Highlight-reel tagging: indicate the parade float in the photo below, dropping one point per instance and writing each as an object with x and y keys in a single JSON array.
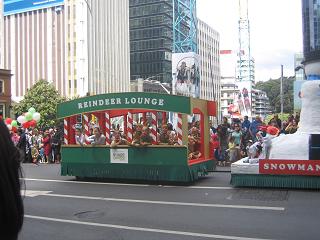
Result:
[
  {"x": 153, "y": 162},
  {"x": 294, "y": 159}
]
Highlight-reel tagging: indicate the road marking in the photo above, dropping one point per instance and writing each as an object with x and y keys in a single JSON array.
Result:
[
  {"x": 141, "y": 229},
  {"x": 167, "y": 202},
  {"x": 31, "y": 193},
  {"x": 123, "y": 184}
]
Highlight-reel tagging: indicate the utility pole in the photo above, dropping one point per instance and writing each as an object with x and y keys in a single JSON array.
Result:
[{"x": 281, "y": 90}]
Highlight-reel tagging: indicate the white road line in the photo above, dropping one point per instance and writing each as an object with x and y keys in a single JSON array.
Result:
[
  {"x": 167, "y": 202},
  {"x": 123, "y": 184},
  {"x": 141, "y": 229}
]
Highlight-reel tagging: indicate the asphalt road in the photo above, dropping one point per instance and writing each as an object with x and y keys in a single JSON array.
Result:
[{"x": 61, "y": 208}]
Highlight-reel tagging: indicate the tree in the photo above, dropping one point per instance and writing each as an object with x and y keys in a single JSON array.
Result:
[
  {"x": 272, "y": 88},
  {"x": 44, "y": 98}
]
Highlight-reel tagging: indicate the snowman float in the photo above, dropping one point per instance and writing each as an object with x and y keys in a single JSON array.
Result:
[{"x": 293, "y": 160}]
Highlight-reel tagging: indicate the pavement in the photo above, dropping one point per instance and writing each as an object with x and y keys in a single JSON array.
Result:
[{"x": 59, "y": 207}]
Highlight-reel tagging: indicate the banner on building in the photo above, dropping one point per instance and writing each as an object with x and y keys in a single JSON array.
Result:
[
  {"x": 21, "y": 6},
  {"x": 186, "y": 74},
  {"x": 243, "y": 99}
]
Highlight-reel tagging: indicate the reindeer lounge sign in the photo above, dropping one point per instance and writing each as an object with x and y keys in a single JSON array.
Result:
[{"x": 289, "y": 167}]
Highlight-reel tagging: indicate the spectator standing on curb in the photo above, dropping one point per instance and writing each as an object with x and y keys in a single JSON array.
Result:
[
  {"x": 11, "y": 205},
  {"x": 46, "y": 141}
]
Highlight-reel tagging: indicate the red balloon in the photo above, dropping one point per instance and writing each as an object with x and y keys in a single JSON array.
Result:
[
  {"x": 8, "y": 121},
  {"x": 26, "y": 125},
  {"x": 33, "y": 123}
]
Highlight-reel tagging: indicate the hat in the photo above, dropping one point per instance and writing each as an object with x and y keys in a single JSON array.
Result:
[{"x": 250, "y": 141}]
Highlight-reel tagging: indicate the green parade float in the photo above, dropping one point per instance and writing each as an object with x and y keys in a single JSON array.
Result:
[{"x": 154, "y": 162}]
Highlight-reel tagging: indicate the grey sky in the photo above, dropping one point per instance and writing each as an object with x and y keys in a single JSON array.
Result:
[{"x": 276, "y": 31}]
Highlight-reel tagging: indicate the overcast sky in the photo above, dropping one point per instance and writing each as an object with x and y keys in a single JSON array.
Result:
[{"x": 276, "y": 31}]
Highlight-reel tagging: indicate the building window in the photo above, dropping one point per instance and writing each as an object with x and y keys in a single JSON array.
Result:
[
  {"x": 2, "y": 113},
  {"x": 1, "y": 86}
]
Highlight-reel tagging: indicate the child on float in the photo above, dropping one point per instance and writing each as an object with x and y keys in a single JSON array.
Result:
[
  {"x": 193, "y": 153},
  {"x": 145, "y": 138},
  {"x": 118, "y": 139},
  {"x": 137, "y": 135},
  {"x": 79, "y": 137},
  {"x": 164, "y": 138}
]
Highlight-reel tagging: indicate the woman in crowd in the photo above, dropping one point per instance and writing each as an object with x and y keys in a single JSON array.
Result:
[{"x": 11, "y": 205}]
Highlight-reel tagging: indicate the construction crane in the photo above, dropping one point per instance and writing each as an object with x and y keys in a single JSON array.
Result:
[{"x": 245, "y": 61}]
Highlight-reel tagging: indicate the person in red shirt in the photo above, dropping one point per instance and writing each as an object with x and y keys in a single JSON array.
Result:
[{"x": 46, "y": 141}]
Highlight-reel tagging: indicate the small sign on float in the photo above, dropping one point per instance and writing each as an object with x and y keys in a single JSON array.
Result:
[{"x": 118, "y": 155}]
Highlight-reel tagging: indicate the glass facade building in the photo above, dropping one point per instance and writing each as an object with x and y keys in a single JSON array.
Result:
[
  {"x": 311, "y": 29},
  {"x": 151, "y": 39}
]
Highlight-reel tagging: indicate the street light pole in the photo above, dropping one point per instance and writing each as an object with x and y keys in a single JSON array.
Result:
[{"x": 281, "y": 90}]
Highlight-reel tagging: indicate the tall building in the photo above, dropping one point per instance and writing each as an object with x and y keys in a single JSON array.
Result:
[
  {"x": 209, "y": 52},
  {"x": 262, "y": 104},
  {"x": 79, "y": 46},
  {"x": 108, "y": 45},
  {"x": 229, "y": 92},
  {"x": 1, "y": 36},
  {"x": 311, "y": 38},
  {"x": 151, "y": 39}
]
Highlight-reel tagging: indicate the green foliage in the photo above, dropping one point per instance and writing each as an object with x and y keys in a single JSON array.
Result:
[
  {"x": 44, "y": 98},
  {"x": 282, "y": 117},
  {"x": 272, "y": 88}
]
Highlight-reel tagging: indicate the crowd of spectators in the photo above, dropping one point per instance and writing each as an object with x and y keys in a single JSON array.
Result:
[
  {"x": 38, "y": 146},
  {"x": 231, "y": 141}
]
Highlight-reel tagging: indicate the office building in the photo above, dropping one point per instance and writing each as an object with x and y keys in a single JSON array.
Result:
[
  {"x": 209, "y": 52},
  {"x": 151, "y": 39},
  {"x": 79, "y": 46},
  {"x": 311, "y": 38}
]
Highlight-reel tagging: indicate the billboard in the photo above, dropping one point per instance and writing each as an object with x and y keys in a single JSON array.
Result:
[
  {"x": 186, "y": 74},
  {"x": 20, "y": 6},
  {"x": 296, "y": 97},
  {"x": 243, "y": 98}
]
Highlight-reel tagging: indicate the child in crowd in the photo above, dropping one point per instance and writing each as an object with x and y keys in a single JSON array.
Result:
[{"x": 232, "y": 150}]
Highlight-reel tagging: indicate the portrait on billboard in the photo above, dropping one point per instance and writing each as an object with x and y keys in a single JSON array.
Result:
[
  {"x": 243, "y": 98},
  {"x": 186, "y": 74}
]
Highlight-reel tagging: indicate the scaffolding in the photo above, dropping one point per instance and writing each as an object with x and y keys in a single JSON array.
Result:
[
  {"x": 184, "y": 26},
  {"x": 245, "y": 61}
]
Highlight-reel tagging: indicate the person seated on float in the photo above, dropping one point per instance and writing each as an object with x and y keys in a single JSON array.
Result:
[
  {"x": 192, "y": 152},
  {"x": 79, "y": 136},
  {"x": 117, "y": 139},
  {"x": 97, "y": 138},
  {"x": 137, "y": 135},
  {"x": 145, "y": 138},
  {"x": 164, "y": 138}
]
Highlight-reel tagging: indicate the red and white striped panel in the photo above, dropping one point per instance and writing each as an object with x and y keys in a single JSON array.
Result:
[
  {"x": 129, "y": 127},
  {"x": 65, "y": 131},
  {"x": 154, "y": 127},
  {"x": 179, "y": 129},
  {"x": 86, "y": 123},
  {"x": 107, "y": 125}
]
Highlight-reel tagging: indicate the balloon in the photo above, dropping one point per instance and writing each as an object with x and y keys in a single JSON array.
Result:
[
  {"x": 9, "y": 127},
  {"x": 32, "y": 110},
  {"x": 14, "y": 123},
  {"x": 26, "y": 125},
  {"x": 33, "y": 123},
  {"x": 28, "y": 116},
  {"x": 21, "y": 119},
  {"x": 36, "y": 116},
  {"x": 8, "y": 121}
]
